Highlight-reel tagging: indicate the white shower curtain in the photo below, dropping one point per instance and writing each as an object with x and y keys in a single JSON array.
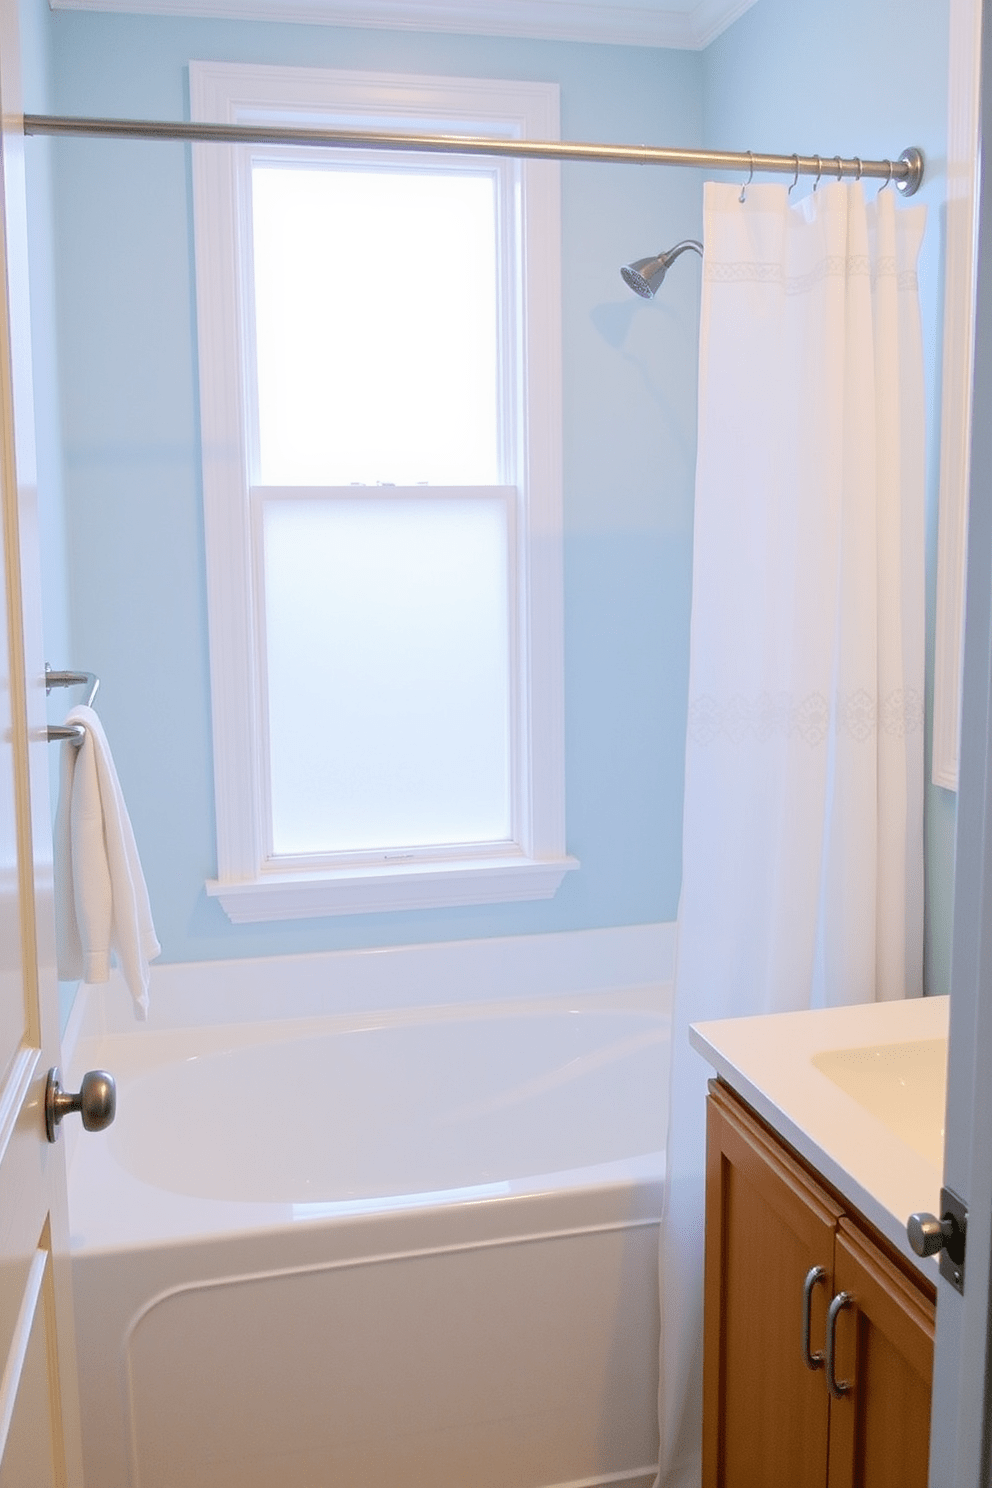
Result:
[{"x": 802, "y": 876}]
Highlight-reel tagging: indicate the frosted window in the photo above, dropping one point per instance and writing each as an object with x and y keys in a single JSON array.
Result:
[
  {"x": 387, "y": 623},
  {"x": 376, "y": 326}
]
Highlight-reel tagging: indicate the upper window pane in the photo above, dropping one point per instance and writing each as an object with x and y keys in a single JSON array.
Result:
[{"x": 376, "y": 316}]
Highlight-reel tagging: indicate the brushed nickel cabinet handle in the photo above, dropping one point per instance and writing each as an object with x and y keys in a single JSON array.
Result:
[
  {"x": 814, "y": 1275},
  {"x": 838, "y": 1388}
]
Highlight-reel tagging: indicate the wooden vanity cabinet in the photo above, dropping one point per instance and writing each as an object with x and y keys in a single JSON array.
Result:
[{"x": 769, "y": 1420}]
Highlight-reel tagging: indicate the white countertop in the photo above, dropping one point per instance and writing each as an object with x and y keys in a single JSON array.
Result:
[{"x": 769, "y": 1061}]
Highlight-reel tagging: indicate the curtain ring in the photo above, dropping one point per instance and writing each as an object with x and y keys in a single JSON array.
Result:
[
  {"x": 857, "y": 161},
  {"x": 750, "y": 177},
  {"x": 795, "y": 178},
  {"x": 819, "y": 171},
  {"x": 840, "y": 168},
  {"x": 888, "y": 177}
]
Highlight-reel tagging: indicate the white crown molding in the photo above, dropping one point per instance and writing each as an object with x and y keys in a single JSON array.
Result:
[
  {"x": 689, "y": 26},
  {"x": 708, "y": 18}
]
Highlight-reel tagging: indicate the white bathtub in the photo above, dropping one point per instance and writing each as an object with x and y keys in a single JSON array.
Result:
[{"x": 417, "y": 1247}]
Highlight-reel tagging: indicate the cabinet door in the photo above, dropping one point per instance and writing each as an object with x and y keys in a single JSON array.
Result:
[
  {"x": 880, "y": 1429},
  {"x": 765, "y": 1414}
]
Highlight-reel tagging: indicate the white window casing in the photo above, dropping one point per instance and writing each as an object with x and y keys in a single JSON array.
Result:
[{"x": 254, "y": 882}]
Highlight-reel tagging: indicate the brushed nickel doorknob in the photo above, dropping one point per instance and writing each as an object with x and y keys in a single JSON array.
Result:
[
  {"x": 96, "y": 1101},
  {"x": 927, "y": 1234},
  {"x": 946, "y": 1236}
]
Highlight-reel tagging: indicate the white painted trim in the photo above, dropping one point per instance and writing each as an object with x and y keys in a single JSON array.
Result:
[
  {"x": 955, "y": 435},
  {"x": 249, "y": 884},
  {"x": 689, "y": 28},
  {"x": 296, "y": 896},
  {"x": 16, "y": 1085},
  {"x": 20, "y": 1338},
  {"x": 959, "y": 1418},
  {"x": 709, "y": 18}
]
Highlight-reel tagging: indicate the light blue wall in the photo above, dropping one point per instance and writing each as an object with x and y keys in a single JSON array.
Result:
[
  {"x": 132, "y": 483},
  {"x": 806, "y": 75},
  {"x": 864, "y": 79}
]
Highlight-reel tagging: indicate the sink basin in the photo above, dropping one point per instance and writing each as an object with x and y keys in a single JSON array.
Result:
[
  {"x": 903, "y": 1085},
  {"x": 857, "y": 1091}
]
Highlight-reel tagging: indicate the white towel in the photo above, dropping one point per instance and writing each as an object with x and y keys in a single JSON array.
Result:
[{"x": 101, "y": 902}]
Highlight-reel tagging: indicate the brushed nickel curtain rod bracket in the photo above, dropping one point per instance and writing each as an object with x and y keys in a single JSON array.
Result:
[{"x": 906, "y": 172}]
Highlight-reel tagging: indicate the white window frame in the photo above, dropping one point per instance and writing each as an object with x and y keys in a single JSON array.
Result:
[{"x": 251, "y": 884}]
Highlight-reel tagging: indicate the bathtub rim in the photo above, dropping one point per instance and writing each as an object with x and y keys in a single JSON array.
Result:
[{"x": 112, "y": 1210}]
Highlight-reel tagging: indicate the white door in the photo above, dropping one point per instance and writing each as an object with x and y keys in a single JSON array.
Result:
[
  {"x": 39, "y": 1411},
  {"x": 961, "y": 1422}
]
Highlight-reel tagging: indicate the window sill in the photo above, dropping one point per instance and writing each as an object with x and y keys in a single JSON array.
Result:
[{"x": 297, "y": 896}]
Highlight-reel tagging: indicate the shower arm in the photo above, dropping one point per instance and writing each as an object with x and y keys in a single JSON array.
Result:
[{"x": 680, "y": 248}]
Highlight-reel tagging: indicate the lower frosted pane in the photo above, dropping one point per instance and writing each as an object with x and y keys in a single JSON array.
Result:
[{"x": 387, "y": 626}]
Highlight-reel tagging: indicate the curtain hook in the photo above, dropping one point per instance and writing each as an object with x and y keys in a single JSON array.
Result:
[
  {"x": 750, "y": 177},
  {"x": 819, "y": 171},
  {"x": 888, "y": 177},
  {"x": 795, "y": 178}
]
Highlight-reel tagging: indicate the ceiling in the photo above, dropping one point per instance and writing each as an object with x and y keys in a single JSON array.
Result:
[{"x": 688, "y": 24}]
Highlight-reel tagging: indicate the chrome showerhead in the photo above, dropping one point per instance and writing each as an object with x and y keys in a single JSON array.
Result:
[{"x": 644, "y": 275}]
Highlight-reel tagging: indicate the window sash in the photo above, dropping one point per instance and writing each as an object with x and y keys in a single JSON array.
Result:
[
  {"x": 510, "y": 844},
  {"x": 395, "y": 283}
]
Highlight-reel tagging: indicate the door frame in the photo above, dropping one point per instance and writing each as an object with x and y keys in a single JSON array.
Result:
[
  {"x": 40, "y": 1170},
  {"x": 960, "y": 1423}
]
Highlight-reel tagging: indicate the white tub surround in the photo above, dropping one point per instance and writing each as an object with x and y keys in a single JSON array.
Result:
[
  {"x": 455, "y": 973},
  {"x": 856, "y": 1091},
  {"x": 402, "y": 1243}
]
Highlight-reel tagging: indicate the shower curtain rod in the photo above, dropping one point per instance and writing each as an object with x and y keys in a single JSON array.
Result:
[{"x": 906, "y": 172}]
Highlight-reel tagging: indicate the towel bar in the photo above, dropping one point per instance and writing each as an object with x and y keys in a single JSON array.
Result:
[{"x": 72, "y": 731}]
